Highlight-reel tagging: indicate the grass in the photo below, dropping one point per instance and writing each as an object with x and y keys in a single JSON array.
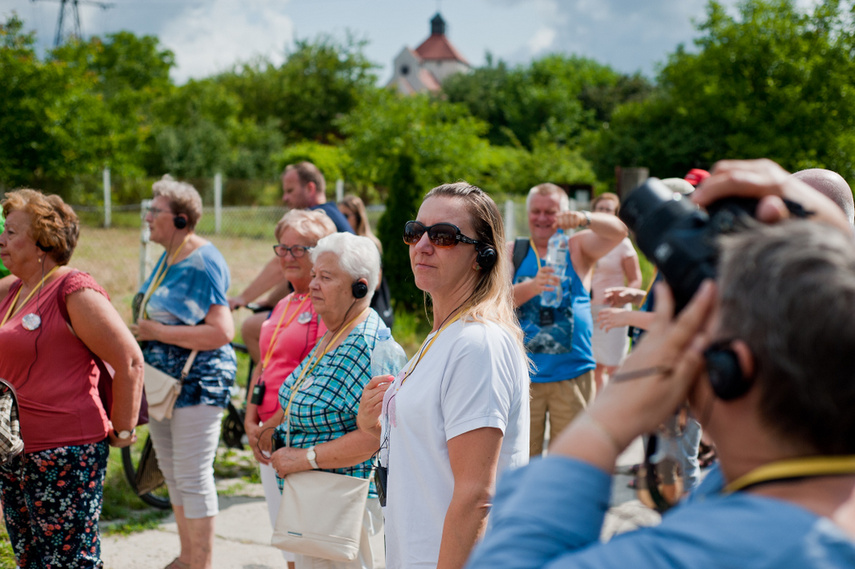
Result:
[{"x": 112, "y": 257}]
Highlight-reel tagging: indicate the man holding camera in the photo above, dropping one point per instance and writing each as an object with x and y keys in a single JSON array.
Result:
[
  {"x": 764, "y": 358},
  {"x": 559, "y": 339}
]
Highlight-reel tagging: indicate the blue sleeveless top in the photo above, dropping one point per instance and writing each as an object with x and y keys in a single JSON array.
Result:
[{"x": 560, "y": 350}]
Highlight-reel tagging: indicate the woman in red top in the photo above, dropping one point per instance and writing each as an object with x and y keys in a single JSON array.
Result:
[
  {"x": 287, "y": 337},
  {"x": 52, "y": 493}
]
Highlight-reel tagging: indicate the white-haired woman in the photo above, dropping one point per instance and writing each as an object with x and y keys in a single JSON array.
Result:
[
  {"x": 184, "y": 309},
  {"x": 458, "y": 414},
  {"x": 323, "y": 392}
]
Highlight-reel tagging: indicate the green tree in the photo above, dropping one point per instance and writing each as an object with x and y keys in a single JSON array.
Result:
[
  {"x": 320, "y": 81},
  {"x": 558, "y": 95},
  {"x": 52, "y": 124},
  {"x": 770, "y": 81},
  {"x": 405, "y": 146}
]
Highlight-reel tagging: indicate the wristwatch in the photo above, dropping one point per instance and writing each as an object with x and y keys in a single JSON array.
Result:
[
  {"x": 312, "y": 455},
  {"x": 123, "y": 435},
  {"x": 587, "y": 223}
]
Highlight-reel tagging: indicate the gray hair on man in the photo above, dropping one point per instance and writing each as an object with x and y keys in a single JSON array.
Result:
[
  {"x": 357, "y": 256},
  {"x": 546, "y": 189},
  {"x": 787, "y": 291}
]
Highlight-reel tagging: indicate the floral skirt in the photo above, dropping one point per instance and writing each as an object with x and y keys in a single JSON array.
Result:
[{"x": 51, "y": 503}]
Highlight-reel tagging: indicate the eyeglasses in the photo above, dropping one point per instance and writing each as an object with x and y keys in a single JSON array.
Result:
[
  {"x": 156, "y": 210},
  {"x": 442, "y": 235},
  {"x": 296, "y": 251}
]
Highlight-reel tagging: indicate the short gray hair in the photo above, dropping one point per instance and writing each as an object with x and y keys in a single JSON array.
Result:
[
  {"x": 547, "y": 189},
  {"x": 357, "y": 256},
  {"x": 788, "y": 292},
  {"x": 182, "y": 197}
]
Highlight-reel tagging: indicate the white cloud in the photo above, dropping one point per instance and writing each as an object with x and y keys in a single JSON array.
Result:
[
  {"x": 211, "y": 38},
  {"x": 542, "y": 41}
]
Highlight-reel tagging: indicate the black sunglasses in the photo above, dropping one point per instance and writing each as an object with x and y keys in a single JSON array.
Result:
[
  {"x": 296, "y": 251},
  {"x": 442, "y": 235}
]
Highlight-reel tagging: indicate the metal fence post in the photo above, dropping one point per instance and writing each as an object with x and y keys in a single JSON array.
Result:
[
  {"x": 339, "y": 190},
  {"x": 510, "y": 221},
  {"x": 218, "y": 202},
  {"x": 108, "y": 205},
  {"x": 144, "y": 238}
]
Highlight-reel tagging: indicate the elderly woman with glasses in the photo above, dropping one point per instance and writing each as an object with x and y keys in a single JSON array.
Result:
[
  {"x": 319, "y": 400},
  {"x": 184, "y": 309},
  {"x": 287, "y": 337},
  {"x": 457, "y": 414}
]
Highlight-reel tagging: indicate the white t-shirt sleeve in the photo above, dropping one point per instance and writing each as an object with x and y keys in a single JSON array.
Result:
[{"x": 479, "y": 385}]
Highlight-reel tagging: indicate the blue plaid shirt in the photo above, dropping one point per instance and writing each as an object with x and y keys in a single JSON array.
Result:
[{"x": 326, "y": 404}]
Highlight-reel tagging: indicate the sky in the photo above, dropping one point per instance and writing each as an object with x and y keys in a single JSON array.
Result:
[{"x": 209, "y": 36}]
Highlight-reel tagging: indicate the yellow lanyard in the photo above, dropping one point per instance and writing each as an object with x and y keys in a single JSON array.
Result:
[
  {"x": 536, "y": 254},
  {"x": 12, "y": 311},
  {"x": 423, "y": 349},
  {"x": 160, "y": 275},
  {"x": 808, "y": 466},
  {"x": 272, "y": 344},
  {"x": 313, "y": 362}
]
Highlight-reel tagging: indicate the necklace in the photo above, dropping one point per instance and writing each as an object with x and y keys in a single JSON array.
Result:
[{"x": 29, "y": 321}]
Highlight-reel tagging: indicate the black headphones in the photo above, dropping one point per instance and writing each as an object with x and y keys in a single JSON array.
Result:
[
  {"x": 726, "y": 377},
  {"x": 487, "y": 257},
  {"x": 180, "y": 221},
  {"x": 359, "y": 289},
  {"x": 45, "y": 248}
]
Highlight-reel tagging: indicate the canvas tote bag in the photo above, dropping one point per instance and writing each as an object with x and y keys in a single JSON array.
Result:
[
  {"x": 320, "y": 513},
  {"x": 162, "y": 390}
]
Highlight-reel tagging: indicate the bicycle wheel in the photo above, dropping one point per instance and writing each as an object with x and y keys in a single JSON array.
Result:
[
  {"x": 233, "y": 432},
  {"x": 140, "y": 467}
]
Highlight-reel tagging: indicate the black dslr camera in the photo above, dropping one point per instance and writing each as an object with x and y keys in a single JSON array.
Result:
[{"x": 680, "y": 239}]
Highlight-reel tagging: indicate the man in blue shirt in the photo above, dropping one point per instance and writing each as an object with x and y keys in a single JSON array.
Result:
[
  {"x": 303, "y": 187},
  {"x": 558, "y": 340},
  {"x": 764, "y": 358}
]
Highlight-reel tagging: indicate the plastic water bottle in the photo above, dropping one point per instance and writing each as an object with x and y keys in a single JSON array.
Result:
[
  {"x": 388, "y": 357},
  {"x": 557, "y": 255}
]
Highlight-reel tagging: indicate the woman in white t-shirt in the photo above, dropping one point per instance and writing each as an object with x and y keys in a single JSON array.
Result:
[
  {"x": 618, "y": 268},
  {"x": 457, "y": 414}
]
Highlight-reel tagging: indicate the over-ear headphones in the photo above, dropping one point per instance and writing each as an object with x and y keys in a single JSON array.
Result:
[
  {"x": 359, "y": 289},
  {"x": 726, "y": 377},
  {"x": 180, "y": 221},
  {"x": 486, "y": 258}
]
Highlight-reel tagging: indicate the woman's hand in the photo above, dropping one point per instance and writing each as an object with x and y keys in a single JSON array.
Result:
[
  {"x": 620, "y": 295},
  {"x": 121, "y": 443},
  {"x": 145, "y": 330},
  {"x": 288, "y": 460},
  {"x": 609, "y": 318},
  {"x": 653, "y": 382},
  {"x": 371, "y": 405}
]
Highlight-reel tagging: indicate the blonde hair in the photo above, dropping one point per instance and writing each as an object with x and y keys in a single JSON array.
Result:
[
  {"x": 549, "y": 189},
  {"x": 357, "y": 208},
  {"x": 492, "y": 299},
  {"x": 53, "y": 224},
  {"x": 309, "y": 223}
]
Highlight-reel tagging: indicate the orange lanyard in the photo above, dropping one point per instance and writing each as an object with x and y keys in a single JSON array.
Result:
[
  {"x": 12, "y": 310},
  {"x": 272, "y": 344}
]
